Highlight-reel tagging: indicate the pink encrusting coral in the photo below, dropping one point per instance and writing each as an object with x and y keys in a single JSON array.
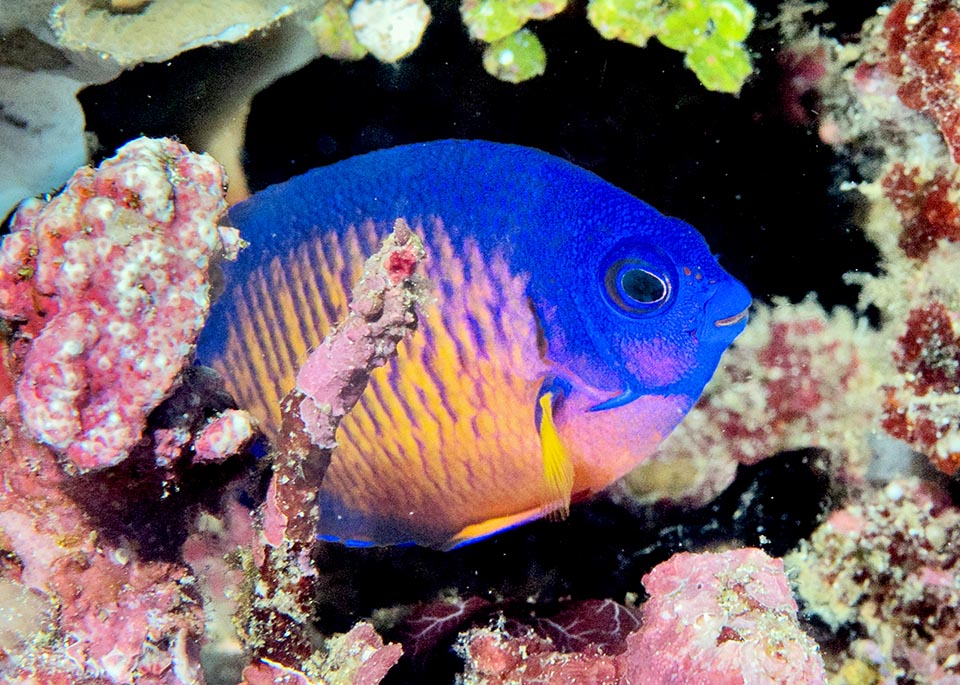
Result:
[
  {"x": 383, "y": 309},
  {"x": 108, "y": 283},
  {"x": 357, "y": 657},
  {"x": 224, "y": 435},
  {"x": 720, "y": 619},
  {"x": 712, "y": 619},
  {"x": 494, "y": 657},
  {"x": 90, "y": 610},
  {"x": 104, "y": 288}
]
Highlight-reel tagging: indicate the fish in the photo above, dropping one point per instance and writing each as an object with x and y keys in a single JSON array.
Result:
[{"x": 571, "y": 327}]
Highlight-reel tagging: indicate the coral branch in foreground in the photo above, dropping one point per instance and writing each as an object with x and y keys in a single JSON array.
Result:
[{"x": 382, "y": 312}]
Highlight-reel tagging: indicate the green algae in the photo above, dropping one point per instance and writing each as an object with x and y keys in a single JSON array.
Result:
[
  {"x": 709, "y": 32},
  {"x": 515, "y": 58},
  {"x": 493, "y": 20},
  {"x": 334, "y": 33}
]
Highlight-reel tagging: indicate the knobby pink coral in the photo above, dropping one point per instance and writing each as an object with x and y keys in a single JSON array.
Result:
[
  {"x": 113, "y": 617},
  {"x": 108, "y": 281}
]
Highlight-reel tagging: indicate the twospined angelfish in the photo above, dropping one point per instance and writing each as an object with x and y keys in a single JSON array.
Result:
[{"x": 572, "y": 328}]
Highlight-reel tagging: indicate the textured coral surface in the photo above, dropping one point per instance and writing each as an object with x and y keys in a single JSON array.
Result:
[
  {"x": 887, "y": 566},
  {"x": 712, "y": 619},
  {"x": 108, "y": 284},
  {"x": 924, "y": 54},
  {"x": 89, "y": 607}
]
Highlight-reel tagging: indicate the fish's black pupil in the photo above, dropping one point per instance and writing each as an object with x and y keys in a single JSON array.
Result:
[{"x": 642, "y": 286}]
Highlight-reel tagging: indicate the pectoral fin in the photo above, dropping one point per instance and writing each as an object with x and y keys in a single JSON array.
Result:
[{"x": 557, "y": 467}]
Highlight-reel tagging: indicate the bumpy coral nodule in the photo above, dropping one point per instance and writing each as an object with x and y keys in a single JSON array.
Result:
[{"x": 108, "y": 282}]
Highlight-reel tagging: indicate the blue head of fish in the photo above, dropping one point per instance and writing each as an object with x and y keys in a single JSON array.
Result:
[{"x": 632, "y": 302}]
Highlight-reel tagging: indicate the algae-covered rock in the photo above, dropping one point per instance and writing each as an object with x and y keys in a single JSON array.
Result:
[
  {"x": 160, "y": 29},
  {"x": 516, "y": 58}
]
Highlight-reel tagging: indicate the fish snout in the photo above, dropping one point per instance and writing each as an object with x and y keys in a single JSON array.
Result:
[{"x": 728, "y": 308}]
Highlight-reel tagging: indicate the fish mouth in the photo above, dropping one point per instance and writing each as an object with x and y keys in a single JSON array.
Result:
[{"x": 732, "y": 320}]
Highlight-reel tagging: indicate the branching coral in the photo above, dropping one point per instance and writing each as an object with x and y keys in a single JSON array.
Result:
[{"x": 330, "y": 382}]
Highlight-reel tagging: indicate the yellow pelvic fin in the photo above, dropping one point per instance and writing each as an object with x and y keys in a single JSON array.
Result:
[{"x": 557, "y": 467}]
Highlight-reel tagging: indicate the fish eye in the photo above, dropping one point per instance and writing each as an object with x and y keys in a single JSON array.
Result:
[
  {"x": 642, "y": 286},
  {"x": 636, "y": 287}
]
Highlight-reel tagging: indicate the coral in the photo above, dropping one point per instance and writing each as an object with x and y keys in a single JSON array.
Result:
[
  {"x": 591, "y": 626},
  {"x": 923, "y": 54},
  {"x": 709, "y": 32},
  {"x": 224, "y": 435},
  {"x": 921, "y": 307},
  {"x": 389, "y": 29},
  {"x": 358, "y": 657},
  {"x": 382, "y": 311},
  {"x": 515, "y": 58},
  {"x": 886, "y": 566},
  {"x": 493, "y": 657},
  {"x": 160, "y": 29},
  {"x": 720, "y": 618},
  {"x": 923, "y": 408},
  {"x": 894, "y": 94},
  {"x": 711, "y": 618},
  {"x": 108, "y": 283},
  {"x": 92, "y": 586},
  {"x": 96, "y": 610},
  {"x": 924, "y": 201}
]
